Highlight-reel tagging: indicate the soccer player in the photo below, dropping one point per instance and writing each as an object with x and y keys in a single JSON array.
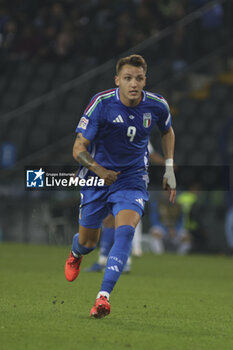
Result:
[{"x": 111, "y": 142}]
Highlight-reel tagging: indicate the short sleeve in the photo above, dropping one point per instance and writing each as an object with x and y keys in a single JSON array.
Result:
[
  {"x": 164, "y": 122},
  {"x": 89, "y": 123}
]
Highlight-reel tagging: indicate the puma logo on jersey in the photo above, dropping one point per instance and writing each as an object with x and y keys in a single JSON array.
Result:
[{"x": 118, "y": 119}]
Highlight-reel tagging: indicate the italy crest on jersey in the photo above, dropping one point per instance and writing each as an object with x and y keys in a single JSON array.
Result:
[{"x": 147, "y": 120}]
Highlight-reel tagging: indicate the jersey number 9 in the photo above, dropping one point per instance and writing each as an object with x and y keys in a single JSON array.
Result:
[{"x": 131, "y": 132}]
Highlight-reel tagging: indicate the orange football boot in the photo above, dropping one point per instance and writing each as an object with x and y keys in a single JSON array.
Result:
[
  {"x": 72, "y": 267},
  {"x": 101, "y": 307}
]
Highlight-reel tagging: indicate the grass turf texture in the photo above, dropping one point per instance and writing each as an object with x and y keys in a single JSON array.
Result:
[{"x": 167, "y": 302}]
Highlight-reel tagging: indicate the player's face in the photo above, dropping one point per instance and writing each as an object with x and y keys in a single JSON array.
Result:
[{"x": 131, "y": 80}]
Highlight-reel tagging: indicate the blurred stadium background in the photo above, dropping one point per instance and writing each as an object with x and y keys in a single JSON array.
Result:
[{"x": 55, "y": 55}]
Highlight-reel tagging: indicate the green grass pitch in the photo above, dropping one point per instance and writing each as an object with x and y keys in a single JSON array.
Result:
[{"x": 168, "y": 302}]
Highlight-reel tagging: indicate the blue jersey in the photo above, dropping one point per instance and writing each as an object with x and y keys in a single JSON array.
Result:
[{"x": 119, "y": 134}]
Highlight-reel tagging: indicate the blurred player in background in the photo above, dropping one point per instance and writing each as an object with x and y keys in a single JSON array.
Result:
[
  {"x": 112, "y": 139},
  {"x": 167, "y": 226},
  {"x": 193, "y": 221},
  {"x": 108, "y": 231}
]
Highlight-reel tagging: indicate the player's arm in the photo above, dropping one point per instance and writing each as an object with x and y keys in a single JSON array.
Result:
[
  {"x": 81, "y": 155},
  {"x": 156, "y": 158},
  {"x": 169, "y": 180}
]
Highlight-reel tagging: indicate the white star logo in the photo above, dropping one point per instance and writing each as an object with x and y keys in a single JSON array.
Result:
[{"x": 39, "y": 174}]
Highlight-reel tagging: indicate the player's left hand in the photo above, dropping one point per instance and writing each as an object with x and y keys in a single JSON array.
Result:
[{"x": 169, "y": 183}]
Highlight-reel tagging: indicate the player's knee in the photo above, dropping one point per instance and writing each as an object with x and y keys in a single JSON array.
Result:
[
  {"x": 88, "y": 243},
  {"x": 127, "y": 217},
  {"x": 88, "y": 237}
]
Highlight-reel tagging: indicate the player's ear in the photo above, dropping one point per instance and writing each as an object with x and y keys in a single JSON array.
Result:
[{"x": 116, "y": 80}]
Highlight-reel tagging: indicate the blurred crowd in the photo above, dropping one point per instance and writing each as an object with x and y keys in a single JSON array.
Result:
[{"x": 98, "y": 29}]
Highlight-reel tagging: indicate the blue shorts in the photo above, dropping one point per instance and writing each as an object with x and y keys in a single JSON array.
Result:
[{"x": 96, "y": 205}]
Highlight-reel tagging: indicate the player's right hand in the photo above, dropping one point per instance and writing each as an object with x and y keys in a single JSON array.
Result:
[{"x": 109, "y": 176}]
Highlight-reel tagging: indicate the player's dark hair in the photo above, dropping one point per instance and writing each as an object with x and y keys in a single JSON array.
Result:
[{"x": 132, "y": 60}]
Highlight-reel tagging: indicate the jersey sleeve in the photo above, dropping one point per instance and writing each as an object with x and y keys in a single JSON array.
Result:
[
  {"x": 90, "y": 121},
  {"x": 164, "y": 122}
]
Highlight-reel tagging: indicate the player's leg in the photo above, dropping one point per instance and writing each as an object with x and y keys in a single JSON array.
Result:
[
  {"x": 91, "y": 215},
  {"x": 106, "y": 242},
  {"x": 107, "y": 238},
  {"x": 125, "y": 223}
]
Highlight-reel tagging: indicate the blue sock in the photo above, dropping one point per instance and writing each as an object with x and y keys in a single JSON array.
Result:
[
  {"x": 118, "y": 256},
  {"x": 106, "y": 240},
  {"x": 79, "y": 249}
]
